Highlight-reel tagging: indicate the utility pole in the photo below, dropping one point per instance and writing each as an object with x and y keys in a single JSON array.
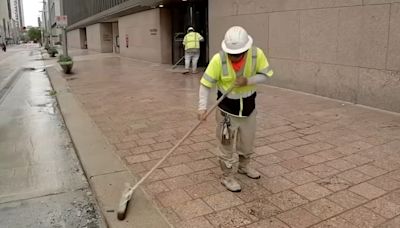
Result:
[
  {"x": 41, "y": 32},
  {"x": 64, "y": 32},
  {"x": 49, "y": 24},
  {"x": 44, "y": 23}
]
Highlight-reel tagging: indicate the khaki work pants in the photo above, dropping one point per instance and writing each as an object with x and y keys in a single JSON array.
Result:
[
  {"x": 237, "y": 153},
  {"x": 192, "y": 56}
]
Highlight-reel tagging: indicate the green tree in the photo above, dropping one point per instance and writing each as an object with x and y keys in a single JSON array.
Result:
[{"x": 34, "y": 34}]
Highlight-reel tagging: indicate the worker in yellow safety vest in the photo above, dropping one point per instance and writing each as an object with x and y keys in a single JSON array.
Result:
[
  {"x": 192, "y": 49},
  {"x": 242, "y": 66}
]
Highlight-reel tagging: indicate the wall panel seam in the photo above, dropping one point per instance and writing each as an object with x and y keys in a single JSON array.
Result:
[
  {"x": 320, "y": 8},
  {"x": 326, "y": 63},
  {"x": 388, "y": 38}
]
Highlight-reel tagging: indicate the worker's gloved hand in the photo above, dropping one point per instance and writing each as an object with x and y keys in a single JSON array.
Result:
[
  {"x": 241, "y": 81},
  {"x": 201, "y": 115}
]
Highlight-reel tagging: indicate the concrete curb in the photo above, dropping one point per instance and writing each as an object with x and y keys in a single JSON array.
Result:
[{"x": 104, "y": 169}]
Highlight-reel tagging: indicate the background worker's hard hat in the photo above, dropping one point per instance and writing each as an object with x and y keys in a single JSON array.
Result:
[
  {"x": 236, "y": 40},
  {"x": 190, "y": 29}
]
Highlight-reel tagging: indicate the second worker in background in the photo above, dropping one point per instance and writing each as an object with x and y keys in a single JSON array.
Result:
[{"x": 192, "y": 49}]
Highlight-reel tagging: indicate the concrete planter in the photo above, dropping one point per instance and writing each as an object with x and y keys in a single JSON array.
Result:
[
  {"x": 52, "y": 52},
  {"x": 66, "y": 66}
]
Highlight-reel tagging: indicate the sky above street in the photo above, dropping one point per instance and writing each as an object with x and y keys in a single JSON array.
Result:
[{"x": 31, "y": 12}]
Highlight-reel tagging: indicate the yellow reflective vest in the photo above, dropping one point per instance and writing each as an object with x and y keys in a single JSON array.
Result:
[
  {"x": 192, "y": 40},
  {"x": 219, "y": 72}
]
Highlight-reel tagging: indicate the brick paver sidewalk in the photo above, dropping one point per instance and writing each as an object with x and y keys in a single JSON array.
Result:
[{"x": 324, "y": 163}]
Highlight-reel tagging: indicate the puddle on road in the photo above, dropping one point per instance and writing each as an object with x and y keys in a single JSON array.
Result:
[
  {"x": 49, "y": 108},
  {"x": 46, "y": 103},
  {"x": 28, "y": 69},
  {"x": 40, "y": 70},
  {"x": 33, "y": 69},
  {"x": 36, "y": 69}
]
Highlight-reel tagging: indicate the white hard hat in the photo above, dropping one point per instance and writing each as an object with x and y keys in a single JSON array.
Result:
[
  {"x": 190, "y": 29},
  {"x": 236, "y": 40}
]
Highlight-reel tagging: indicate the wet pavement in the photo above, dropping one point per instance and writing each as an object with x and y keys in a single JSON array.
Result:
[
  {"x": 14, "y": 58},
  {"x": 41, "y": 180},
  {"x": 324, "y": 163}
]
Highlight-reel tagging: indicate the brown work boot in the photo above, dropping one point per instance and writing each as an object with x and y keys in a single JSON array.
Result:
[
  {"x": 231, "y": 184},
  {"x": 250, "y": 172}
]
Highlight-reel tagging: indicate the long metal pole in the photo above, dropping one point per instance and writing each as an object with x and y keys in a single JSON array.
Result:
[
  {"x": 65, "y": 47},
  {"x": 49, "y": 24},
  {"x": 64, "y": 32},
  {"x": 191, "y": 16}
]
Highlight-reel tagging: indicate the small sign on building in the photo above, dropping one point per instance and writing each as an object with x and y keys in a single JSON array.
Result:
[
  {"x": 62, "y": 21},
  {"x": 153, "y": 32}
]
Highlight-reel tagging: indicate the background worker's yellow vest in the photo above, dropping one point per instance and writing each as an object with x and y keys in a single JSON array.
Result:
[{"x": 192, "y": 40}]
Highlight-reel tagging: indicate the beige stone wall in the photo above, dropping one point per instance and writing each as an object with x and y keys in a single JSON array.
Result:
[
  {"x": 83, "y": 38},
  {"x": 106, "y": 33},
  {"x": 93, "y": 37},
  {"x": 146, "y": 36},
  {"x": 99, "y": 37},
  {"x": 343, "y": 49},
  {"x": 74, "y": 39},
  {"x": 115, "y": 34},
  {"x": 166, "y": 36}
]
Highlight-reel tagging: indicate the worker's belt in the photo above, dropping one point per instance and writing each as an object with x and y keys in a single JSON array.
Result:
[{"x": 238, "y": 107}]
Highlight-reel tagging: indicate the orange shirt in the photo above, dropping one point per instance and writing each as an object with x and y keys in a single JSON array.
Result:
[{"x": 238, "y": 64}]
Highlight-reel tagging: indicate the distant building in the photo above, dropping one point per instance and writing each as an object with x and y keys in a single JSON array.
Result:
[
  {"x": 11, "y": 20},
  {"x": 4, "y": 20},
  {"x": 17, "y": 19},
  {"x": 17, "y": 12}
]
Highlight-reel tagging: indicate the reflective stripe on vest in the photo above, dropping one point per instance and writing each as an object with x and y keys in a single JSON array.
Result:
[
  {"x": 209, "y": 79},
  {"x": 267, "y": 71},
  {"x": 253, "y": 60},
  {"x": 224, "y": 63}
]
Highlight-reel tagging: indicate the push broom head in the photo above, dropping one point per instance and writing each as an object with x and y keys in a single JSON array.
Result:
[{"x": 123, "y": 204}]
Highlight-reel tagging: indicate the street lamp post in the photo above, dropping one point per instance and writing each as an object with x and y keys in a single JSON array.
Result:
[
  {"x": 45, "y": 23},
  {"x": 64, "y": 31},
  {"x": 43, "y": 28},
  {"x": 49, "y": 24},
  {"x": 41, "y": 32}
]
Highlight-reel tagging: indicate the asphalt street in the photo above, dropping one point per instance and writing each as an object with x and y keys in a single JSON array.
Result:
[{"x": 42, "y": 183}]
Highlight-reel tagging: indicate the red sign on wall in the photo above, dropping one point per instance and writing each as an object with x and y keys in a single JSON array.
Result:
[{"x": 62, "y": 21}]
